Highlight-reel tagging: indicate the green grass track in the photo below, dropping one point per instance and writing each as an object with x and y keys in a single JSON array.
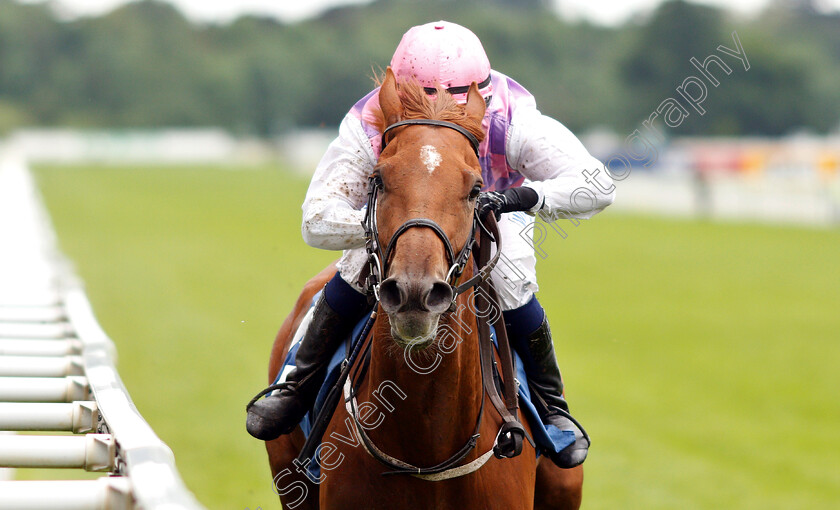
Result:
[{"x": 702, "y": 357}]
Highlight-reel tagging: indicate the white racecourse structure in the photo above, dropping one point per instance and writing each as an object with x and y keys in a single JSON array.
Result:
[{"x": 57, "y": 378}]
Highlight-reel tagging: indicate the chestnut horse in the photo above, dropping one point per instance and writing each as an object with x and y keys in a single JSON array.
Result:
[{"x": 419, "y": 400}]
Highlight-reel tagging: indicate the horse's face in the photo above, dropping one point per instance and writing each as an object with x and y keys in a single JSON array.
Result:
[{"x": 426, "y": 172}]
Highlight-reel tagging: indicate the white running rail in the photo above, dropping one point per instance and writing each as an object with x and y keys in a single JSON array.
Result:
[{"x": 57, "y": 375}]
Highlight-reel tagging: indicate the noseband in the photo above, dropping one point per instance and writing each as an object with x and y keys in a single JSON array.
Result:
[{"x": 378, "y": 260}]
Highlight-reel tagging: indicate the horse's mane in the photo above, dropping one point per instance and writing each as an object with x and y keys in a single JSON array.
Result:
[{"x": 442, "y": 106}]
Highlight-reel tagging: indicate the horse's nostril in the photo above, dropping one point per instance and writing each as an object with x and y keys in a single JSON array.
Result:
[
  {"x": 391, "y": 296},
  {"x": 439, "y": 297}
]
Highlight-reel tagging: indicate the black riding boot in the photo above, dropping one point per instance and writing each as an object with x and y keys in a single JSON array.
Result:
[
  {"x": 547, "y": 385},
  {"x": 279, "y": 414}
]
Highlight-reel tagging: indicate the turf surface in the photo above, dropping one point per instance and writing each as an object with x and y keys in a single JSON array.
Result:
[{"x": 703, "y": 358}]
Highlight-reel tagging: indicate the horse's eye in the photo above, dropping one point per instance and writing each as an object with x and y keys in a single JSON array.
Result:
[
  {"x": 377, "y": 181},
  {"x": 474, "y": 192}
]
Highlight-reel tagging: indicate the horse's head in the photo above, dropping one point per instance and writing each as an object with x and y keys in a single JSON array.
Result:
[{"x": 429, "y": 173}]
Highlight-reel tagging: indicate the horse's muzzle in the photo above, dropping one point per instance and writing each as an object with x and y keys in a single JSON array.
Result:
[
  {"x": 414, "y": 308},
  {"x": 398, "y": 295}
]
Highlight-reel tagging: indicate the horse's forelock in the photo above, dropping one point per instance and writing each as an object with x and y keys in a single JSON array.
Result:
[{"x": 442, "y": 106}]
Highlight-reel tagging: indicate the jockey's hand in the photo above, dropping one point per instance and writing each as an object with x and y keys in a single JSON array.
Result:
[{"x": 522, "y": 198}]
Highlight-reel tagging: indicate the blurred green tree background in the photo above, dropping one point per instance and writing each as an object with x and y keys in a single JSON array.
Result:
[{"x": 145, "y": 65}]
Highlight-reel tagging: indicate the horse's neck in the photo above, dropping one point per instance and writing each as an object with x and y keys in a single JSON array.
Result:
[{"x": 442, "y": 389}]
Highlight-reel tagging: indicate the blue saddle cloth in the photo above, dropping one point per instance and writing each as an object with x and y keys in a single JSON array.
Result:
[{"x": 547, "y": 437}]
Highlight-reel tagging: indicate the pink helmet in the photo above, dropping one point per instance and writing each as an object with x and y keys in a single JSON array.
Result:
[{"x": 443, "y": 53}]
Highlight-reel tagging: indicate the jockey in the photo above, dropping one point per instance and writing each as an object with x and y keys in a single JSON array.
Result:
[{"x": 530, "y": 164}]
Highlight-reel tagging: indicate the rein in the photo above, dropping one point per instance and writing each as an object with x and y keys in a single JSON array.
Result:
[{"x": 508, "y": 441}]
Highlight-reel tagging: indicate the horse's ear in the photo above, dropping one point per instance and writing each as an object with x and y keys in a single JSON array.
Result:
[
  {"x": 389, "y": 99},
  {"x": 475, "y": 103}
]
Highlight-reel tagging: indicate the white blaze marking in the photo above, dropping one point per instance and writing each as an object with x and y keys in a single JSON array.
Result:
[{"x": 430, "y": 157}]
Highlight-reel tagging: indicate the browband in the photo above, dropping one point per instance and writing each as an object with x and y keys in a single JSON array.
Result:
[{"x": 427, "y": 122}]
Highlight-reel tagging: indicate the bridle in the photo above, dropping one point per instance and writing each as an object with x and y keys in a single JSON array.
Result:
[
  {"x": 508, "y": 441},
  {"x": 378, "y": 260}
]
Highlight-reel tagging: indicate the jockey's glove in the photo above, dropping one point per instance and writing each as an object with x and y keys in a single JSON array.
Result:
[{"x": 522, "y": 198}]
